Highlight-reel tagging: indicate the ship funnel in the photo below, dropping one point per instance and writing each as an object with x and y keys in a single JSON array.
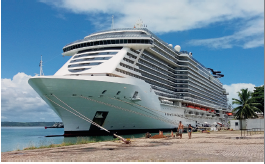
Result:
[{"x": 177, "y": 48}]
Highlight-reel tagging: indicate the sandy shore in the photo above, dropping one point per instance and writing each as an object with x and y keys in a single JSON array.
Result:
[{"x": 216, "y": 146}]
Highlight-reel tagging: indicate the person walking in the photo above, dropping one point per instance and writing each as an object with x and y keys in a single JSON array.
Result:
[
  {"x": 180, "y": 129},
  {"x": 189, "y": 131}
]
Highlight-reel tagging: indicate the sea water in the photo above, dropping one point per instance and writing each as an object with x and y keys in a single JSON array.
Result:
[{"x": 18, "y": 138}]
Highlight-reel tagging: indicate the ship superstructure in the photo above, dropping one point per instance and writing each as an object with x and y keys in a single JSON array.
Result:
[{"x": 130, "y": 80}]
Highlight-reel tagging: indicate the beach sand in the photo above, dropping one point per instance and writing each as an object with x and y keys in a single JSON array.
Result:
[{"x": 217, "y": 147}]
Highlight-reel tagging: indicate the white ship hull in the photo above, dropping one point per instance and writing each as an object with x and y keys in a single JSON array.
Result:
[
  {"x": 129, "y": 80},
  {"x": 124, "y": 113}
]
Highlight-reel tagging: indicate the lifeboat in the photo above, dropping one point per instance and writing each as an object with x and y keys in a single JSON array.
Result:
[
  {"x": 229, "y": 114},
  {"x": 189, "y": 106}
]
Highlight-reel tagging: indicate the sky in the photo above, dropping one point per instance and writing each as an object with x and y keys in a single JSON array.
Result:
[{"x": 224, "y": 35}]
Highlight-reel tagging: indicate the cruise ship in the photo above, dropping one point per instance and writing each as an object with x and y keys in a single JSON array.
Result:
[{"x": 128, "y": 81}]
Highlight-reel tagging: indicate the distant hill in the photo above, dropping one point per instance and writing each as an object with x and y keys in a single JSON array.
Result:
[{"x": 3, "y": 124}]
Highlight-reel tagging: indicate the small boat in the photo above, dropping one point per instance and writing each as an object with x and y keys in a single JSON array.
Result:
[{"x": 55, "y": 125}]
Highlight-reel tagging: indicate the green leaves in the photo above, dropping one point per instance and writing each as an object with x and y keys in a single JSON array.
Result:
[
  {"x": 258, "y": 97},
  {"x": 247, "y": 107}
]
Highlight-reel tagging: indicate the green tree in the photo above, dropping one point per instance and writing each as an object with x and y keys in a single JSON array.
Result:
[
  {"x": 258, "y": 97},
  {"x": 246, "y": 106}
]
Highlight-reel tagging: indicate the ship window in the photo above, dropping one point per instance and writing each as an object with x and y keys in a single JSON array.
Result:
[
  {"x": 133, "y": 41},
  {"x": 112, "y": 41},
  {"x": 135, "y": 94},
  {"x": 121, "y": 41},
  {"x": 117, "y": 41},
  {"x": 104, "y": 91},
  {"x": 96, "y": 43},
  {"x": 108, "y": 41},
  {"x": 129, "y": 41},
  {"x": 142, "y": 41},
  {"x": 146, "y": 41},
  {"x": 125, "y": 41},
  {"x": 118, "y": 92},
  {"x": 78, "y": 45},
  {"x": 138, "y": 41},
  {"x": 100, "y": 42},
  {"x": 105, "y": 42}
]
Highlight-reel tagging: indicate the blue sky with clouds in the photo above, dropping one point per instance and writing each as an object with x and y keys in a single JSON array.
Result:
[{"x": 224, "y": 35}]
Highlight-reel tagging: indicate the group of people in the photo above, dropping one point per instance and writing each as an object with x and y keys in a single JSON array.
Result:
[{"x": 181, "y": 127}]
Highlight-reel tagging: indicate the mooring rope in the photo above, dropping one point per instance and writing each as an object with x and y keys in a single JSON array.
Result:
[{"x": 85, "y": 118}]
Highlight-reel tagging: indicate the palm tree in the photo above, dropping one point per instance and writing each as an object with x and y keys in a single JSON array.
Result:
[{"x": 246, "y": 107}]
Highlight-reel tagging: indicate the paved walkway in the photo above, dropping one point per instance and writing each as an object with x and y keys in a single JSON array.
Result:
[{"x": 217, "y": 147}]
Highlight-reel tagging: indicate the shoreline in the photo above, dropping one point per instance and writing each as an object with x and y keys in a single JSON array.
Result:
[{"x": 217, "y": 146}]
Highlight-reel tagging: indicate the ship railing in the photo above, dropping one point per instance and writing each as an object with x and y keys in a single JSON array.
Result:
[
  {"x": 204, "y": 69},
  {"x": 166, "y": 91},
  {"x": 207, "y": 94},
  {"x": 152, "y": 70},
  {"x": 167, "y": 48},
  {"x": 163, "y": 69},
  {"x": 197, "y": 95},
  {"x": 168, "y": 95},
  {"x": 147, "y": 58},
  {"x": 161, "y": 89},
  {"x": 194, "y": 84},
  {"x": 154, "y": 57},
  {"x": 137, "y": 29},
  {"x": 202, "y": 81},
  {"x": 218, "y": 85},
  {"x": 201, "y": 102},
  {"x": 182, "y": 69},
  {"x": 161, "y": 53},
  {"x": 155, "y": 77},
  {"x": 104, "y": 36},
  {"x": 142, "y": 63},
  {"x": 203, "y": 87}
]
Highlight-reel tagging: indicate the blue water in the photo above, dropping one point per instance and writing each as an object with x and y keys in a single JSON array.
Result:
[{"x": 14, "y": 138}]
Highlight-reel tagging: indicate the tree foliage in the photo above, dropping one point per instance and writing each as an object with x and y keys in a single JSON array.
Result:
[
  {"x": 246, "y": 106},
  {"x": 258, "y": 97}
]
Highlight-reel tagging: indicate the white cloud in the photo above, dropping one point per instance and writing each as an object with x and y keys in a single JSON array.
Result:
[
  {"x": 19, "y": 102},
  {"x": 234, "y": 88},
  {"x": 165, "y": 16},
  {"x": 249, "y": 35},
  {"x": 176, "y": 15}
]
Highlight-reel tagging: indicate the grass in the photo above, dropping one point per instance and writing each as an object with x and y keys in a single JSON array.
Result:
[{"x": 80, "y": 140}]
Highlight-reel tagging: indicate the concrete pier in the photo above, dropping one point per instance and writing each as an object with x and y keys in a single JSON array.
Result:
[{"x": 222, "y": 146}]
